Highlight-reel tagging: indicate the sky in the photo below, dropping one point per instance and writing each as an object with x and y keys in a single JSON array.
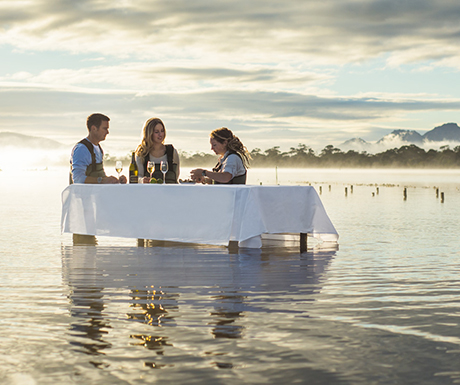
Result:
[{"x": 277, "y": 73}]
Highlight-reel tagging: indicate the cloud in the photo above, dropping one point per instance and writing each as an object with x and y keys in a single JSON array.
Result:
[
  {"x": 168, "y": 77},
  {"x": 256, "y": 104},
  {"x": 266, "y": 68},
  {"x": 261, "y": 116},
  {"x": 334, "y": 31}
]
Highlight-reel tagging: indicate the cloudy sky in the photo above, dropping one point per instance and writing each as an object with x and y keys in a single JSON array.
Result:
[{"x": 277, "y": 73}]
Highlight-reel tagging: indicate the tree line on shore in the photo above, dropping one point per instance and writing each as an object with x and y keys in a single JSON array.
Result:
[{"x": 408, "y": 156}]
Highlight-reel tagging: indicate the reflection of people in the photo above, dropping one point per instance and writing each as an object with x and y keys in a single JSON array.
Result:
[
  {"x": 87, "y": 155},
  {"x": 89, "y": 323},
  {"x": 152, "y": 148},
  {"x": 233, "y": 160},
  {"x": 225, "y": 316}
]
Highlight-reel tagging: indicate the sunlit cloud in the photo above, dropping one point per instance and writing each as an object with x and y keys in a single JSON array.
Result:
[
  {"x": 274, "y": 112},
  {"x": 166, "y": 77},
  {"x": 275, "y": 72},
  {"x": 328, "y": 32}
]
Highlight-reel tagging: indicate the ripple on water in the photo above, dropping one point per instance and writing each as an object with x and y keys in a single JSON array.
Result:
[{"x": 382, "y": 309}]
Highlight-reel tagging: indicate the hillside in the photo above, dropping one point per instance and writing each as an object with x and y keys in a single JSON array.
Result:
[
  {"x": 447, "y": 132},
  {"x": 12, "y": 139}
]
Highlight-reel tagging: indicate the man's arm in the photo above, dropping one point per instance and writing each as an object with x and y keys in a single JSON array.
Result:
[{"x": 81, "y": 159}]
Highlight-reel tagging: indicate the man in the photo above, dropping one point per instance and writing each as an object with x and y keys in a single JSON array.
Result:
[{"x": 87, "y": 155}]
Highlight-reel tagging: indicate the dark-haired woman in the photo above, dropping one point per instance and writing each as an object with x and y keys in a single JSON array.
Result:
[
  {"x": 153, "y": 148},
  {"x": 233, "y": 159}
]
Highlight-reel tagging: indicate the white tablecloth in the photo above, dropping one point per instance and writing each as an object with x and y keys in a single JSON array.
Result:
[{"x": 208, "y": 214}]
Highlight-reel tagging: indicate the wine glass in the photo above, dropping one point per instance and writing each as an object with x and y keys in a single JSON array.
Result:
[
  {"x": 119, "y": 167},
  {"x": 150, "y": 167},
  {"x": 164, "y": 169}
]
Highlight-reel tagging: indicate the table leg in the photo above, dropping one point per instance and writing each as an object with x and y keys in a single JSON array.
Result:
[
  {"x": 233, "y": 246},
  {"x": 303, "y": 242},
  {"x": 83, "y": 239}
]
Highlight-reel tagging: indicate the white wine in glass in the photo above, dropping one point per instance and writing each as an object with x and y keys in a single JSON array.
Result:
[
  {"x": 164, "y": 169},
  {"x": 150, "y": 167},
  {"x": 119, "y": 167}
]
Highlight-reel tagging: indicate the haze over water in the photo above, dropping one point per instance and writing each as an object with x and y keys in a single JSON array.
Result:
[{"x": 382, "y": 308}]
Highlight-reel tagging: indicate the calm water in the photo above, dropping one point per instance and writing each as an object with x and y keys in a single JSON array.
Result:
[{"x": 382, "y": 309}]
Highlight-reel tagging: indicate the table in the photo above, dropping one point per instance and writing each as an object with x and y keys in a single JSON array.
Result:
[{"x": 205, "y": 214}]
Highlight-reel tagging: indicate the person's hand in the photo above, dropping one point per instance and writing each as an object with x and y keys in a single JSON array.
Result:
[
  {"x": 123, "y": 179},
  {"x": 197, "y": 175},
  {"x": 110, "y": 180}
]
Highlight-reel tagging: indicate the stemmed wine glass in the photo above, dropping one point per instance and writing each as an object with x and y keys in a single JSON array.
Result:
[
  {"x": 164, "y": 169},
  {"x": 119, "y": 167},
  {"x": 150, "y": 167}
]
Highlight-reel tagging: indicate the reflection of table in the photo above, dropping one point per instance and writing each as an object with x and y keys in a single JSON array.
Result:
[{"x": 194, "y": 213}]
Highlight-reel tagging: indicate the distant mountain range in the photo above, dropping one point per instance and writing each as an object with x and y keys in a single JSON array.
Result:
[
  {"x": 448, "y": 133},
  {"x": 11, "y": 139}
]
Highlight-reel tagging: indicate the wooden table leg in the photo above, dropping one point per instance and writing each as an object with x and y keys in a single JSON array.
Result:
[
  {"x": 303, "y": 242},
  {"x": 83, "y": 239},
  {"x": 233, "y": 246}
]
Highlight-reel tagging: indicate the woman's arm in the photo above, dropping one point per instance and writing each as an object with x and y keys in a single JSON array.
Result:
[
  {"x": 140, "y": 166},
  {"x": 176, "y": 160},
  {"x": 140, "y": 170},
  {"x": 222, "y": 177}
]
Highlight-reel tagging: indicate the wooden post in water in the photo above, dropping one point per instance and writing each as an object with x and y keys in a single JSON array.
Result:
[
  {"x": 320, "y": 190},
  {"x": 329, "y": 187},
  {"x": 346, "y": 191},
  {"x": 442, "y": 197},
  {"x": 303, "y": 242},
  {"x": 437, "y": 192},
  {"x": 377, "y": 191},
  {"x": 351, "y": 189},
  {"x": 405, "y": 193}
]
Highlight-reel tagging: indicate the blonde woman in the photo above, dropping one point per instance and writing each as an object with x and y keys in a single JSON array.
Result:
[
  {"x": 152, "y": 148},
  {"x": 233, "y": 159}
]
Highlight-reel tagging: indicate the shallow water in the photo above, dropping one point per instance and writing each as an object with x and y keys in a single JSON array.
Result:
[{"x": 383, "y": 308}]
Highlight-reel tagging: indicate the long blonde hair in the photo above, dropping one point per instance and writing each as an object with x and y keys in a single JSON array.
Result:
[
  {"x": 234, "y": 145},
  {"x": 147, "y": 132}
]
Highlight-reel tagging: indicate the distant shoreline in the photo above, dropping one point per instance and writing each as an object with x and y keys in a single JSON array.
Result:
[
  {"x": 405, "y": 157},
  {"x": 408, "y": 156}
]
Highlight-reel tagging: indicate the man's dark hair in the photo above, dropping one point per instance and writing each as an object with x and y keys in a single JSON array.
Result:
[{"x": 96, "y": 120}]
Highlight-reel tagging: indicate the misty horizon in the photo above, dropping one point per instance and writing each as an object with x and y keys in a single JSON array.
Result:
[
  {"x": 395, "y": 139},
  {"x": 301, "y": 156}
]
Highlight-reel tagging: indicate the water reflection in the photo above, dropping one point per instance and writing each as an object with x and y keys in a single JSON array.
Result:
[
  {"x": 89, "y": 326},
  {"x": 174, "y": 300},
  {"x": 152, "y": 307},
  {"x": 229, "y": 309}
]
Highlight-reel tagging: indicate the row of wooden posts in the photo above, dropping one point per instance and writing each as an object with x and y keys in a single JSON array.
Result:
[
  {"x": 437, "y": 194},
  {"x": 377, "y": 192}
]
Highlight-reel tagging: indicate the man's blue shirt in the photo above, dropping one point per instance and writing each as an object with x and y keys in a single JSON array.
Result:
[{"x": 81, "y": 159}]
